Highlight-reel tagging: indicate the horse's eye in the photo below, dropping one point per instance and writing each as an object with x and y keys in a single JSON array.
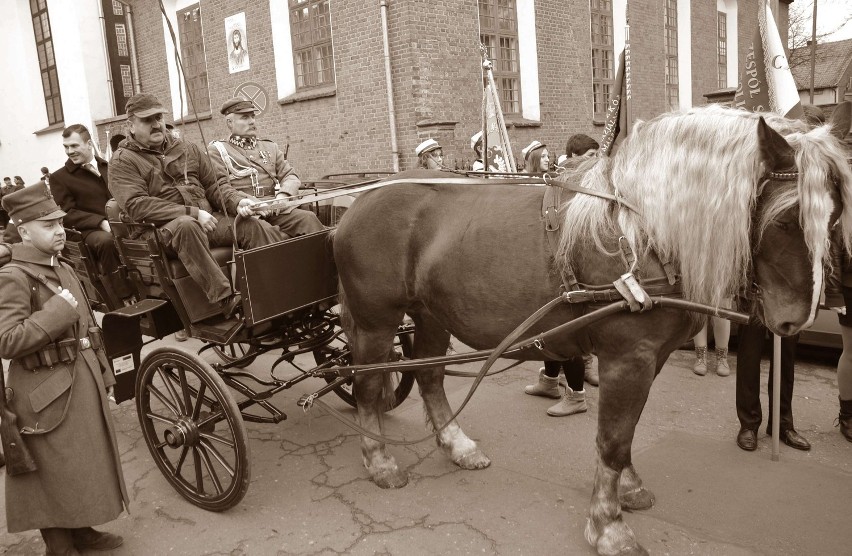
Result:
[{"x": 782, "y": 225}]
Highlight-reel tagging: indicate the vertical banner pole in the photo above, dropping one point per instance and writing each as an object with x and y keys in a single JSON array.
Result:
[{"x": 776, "y": 396}]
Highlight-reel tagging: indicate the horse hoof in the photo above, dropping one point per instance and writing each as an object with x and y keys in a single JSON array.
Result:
[
  {"x": 640, "y": 499},
  {"x": 390, "y": 479},
  {"x": 473, "y": 460}
]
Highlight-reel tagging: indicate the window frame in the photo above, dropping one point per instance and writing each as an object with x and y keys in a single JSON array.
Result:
[
  {"x": 317, "y": 48},
  {"x": 722, "y": 49},
  {"x": 46, "y": 61},
  {"x": 506, "y": 66},
  {"x": 602, "y": 33},
  {"x": 670, "y": 25},
  {"x": 201, "y": 101}
]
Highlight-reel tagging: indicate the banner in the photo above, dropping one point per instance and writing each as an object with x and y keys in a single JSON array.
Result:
[
  {"x": 616, "y": 118},
  {"x": 497, "y": 154},
  {"x": 766, "y": 83}
]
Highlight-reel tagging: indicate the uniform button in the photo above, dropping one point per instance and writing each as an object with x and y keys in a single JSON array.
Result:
[
  {"x": 251, "y": 157},
  {"x": 84, "y": 343}
]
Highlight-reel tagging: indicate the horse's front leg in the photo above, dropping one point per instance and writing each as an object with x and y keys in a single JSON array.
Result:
[
  {"x": 430, "y": 340},
  {"x": 625, "y": 383}
]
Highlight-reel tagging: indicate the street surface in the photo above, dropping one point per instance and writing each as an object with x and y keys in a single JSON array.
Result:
[{"x": 310, "y": 494}]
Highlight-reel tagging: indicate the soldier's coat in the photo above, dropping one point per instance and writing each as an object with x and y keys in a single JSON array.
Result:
[{"x": 79, "y": 481}]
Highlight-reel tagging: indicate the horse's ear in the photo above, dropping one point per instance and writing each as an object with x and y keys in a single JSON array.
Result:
[
  {"x": 775, "y": 151},
  {"x": 841, "y": 119}
]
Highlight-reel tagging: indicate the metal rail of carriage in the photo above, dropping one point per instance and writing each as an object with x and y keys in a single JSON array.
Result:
[{"x": 192, "y": 410}]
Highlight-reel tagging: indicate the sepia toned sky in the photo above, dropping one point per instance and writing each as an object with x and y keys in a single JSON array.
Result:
[{"x": 829, "y": 14}]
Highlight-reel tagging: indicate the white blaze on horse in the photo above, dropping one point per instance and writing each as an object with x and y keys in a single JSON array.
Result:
[{"x": 733, "y": 203}]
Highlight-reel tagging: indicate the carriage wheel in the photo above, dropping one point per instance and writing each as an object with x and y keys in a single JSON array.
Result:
[
  {"x": 340, "y": 352},
  {"x": 193, "y": 428},
  {"x": 231, "y": 352}
]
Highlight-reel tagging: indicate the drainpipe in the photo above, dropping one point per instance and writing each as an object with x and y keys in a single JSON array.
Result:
[
  {"x": 134, "y": 58},
  {"x": 391, "y": 109}
]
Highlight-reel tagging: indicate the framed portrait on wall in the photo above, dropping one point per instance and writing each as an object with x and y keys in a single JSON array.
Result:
[{"x": 237, "y": 42}]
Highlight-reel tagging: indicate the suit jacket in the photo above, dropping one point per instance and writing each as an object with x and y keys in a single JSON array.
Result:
[
  {"x": 81, "y": 194},
  {"x": 79, "y": 482}
]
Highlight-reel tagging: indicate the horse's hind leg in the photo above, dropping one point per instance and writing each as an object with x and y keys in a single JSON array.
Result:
[
  {"x": 430, "y": 339},
  {"x": 622, "y": 397},
  {"x": 371, "y": 393}
]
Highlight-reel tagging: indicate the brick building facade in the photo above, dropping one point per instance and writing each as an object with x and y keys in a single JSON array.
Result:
[{"x": 344, "y": 125}]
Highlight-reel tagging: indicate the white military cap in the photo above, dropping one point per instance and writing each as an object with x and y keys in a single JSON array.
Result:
[
  {"x": 476, "y": 138},
  {"x": 562, "y": 158},
  {"x": 531, "y": 147},
  {"x": 426, "y": 146}
]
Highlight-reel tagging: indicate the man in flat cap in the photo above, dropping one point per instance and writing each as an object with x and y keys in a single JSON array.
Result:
[
  {"x": 258, "y": 167},
  {"x": 59, "y": 376},
  {"x": 157, "y": 178}
]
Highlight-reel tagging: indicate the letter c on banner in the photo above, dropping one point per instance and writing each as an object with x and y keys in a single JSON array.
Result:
[{"x": 776, "y": 64}]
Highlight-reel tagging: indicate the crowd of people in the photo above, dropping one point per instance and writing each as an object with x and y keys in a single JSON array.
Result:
[{"x": 192, "y": 199}]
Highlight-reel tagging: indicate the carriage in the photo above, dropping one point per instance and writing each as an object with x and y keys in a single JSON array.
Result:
[
  {"x": 776, "y": 190},
  {"x": 192, "y": 408}
]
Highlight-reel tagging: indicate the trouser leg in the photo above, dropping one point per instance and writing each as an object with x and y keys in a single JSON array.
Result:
[
  {"x": 250, "y": 232},
  {"x": 187, "y": 239},
  {"x": 749, "y": 351},
  {"x": 59, "y": 542},
  {"x": 574, "y": 370},
  {"x": 102, "y": 247},
  {"x": 551, "y": 368},
  {"x": 298, "y": 222},
  {"x": 788, "y": 364}
]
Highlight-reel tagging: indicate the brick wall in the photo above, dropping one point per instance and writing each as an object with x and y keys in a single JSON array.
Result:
[{"x": 436, "y": 73}]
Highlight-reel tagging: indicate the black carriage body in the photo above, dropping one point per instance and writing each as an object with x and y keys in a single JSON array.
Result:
[{"x": 286, "y": 276}]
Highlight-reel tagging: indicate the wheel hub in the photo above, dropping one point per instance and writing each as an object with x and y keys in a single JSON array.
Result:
[{"x": 184, "y": 432}]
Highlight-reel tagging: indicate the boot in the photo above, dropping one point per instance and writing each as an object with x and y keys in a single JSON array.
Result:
[
  {"x": 546, "y": 386},
  {"x": 722, "y": 367},
  {"x": 86, "y": 538},
  {"x": 59, "y": 542},
  {"x": 590, "y": 362},
  {"x": 700, "y": 367},
  {"x": 845, "y": 419},
  {"x": 572, "y": 402}
]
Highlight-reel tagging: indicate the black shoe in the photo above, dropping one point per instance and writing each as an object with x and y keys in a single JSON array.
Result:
[
  {"x": 87, "y": 538},
  {"x": 795, "y": 440},
  {"x": 230, "y": 305},
  {"x": 747, "y": 440}
]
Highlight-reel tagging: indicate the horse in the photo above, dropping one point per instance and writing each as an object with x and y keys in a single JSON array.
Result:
[{"x": 731, "y": 200}]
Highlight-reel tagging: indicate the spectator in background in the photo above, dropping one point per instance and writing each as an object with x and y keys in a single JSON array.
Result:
[
  {"x": 19, "y": 183},
  {"x": 579, "y": 145},
  {"x": 116, "y": 140},
  {"x": 430, "y": 155},
  {"x": 476, "y": 144},
  {"x": 45, "y": 175}
]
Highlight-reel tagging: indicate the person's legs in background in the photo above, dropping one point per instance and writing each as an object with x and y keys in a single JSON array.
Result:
[
  {"x": 548, "y": 381},
  {"x": 844, "y": 383},
  {"x": 721, "y": 336},
  {"x": 574, "y": 399},
  {"x": 789, "y": 436},
  {"x": 749, "y": 351},
  {"x": 700, "y": 341}
]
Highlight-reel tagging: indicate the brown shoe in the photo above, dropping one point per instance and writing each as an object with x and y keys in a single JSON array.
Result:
[
  {"x": 747, "y": 440},
  {"x": 87, "y": 538},
  {"x": 230, "y": 305}
]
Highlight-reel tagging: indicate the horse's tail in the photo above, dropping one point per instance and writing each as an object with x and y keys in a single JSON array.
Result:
[{"x": 348, "y": 324}]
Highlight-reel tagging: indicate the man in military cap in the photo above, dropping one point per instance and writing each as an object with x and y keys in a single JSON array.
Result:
[
  {"x": 58, "y": 380},
  {"x": 258, "y": 167},
  {"x": 160, "y": 179}
]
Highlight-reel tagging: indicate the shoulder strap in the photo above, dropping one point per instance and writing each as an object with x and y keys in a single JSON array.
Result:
[{"x": 41, "y": 278}]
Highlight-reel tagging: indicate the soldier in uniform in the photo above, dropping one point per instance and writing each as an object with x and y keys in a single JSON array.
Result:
[
  {"x": 257, "y": 167},
  {"x": 57, "y": 387}
]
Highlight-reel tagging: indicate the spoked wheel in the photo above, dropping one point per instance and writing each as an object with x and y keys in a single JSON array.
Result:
[
  {"x": 193, "y": 428},
  {"x": 338, "y": 351},
  {"x": 232, "y": 352}
]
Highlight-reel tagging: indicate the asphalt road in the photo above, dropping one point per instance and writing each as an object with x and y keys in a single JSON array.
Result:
[{"x": 310, "y": 494}]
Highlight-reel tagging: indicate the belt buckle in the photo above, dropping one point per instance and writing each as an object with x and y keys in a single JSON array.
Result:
[{"x": 85, "y": 343}]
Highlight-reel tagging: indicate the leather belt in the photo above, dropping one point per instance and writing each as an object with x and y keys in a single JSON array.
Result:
[{"x": 62, "y": 351}]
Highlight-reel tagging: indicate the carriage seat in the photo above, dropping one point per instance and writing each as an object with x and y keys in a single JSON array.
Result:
[{"x": 220, "y": 254}]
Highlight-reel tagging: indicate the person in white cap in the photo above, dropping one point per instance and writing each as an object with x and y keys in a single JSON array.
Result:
[
  {"x": 476, "y": 144},
  {"x": 536, "y": 158},
  {"x": 429, "y": 155}
]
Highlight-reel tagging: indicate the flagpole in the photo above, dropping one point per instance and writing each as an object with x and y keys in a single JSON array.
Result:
[
  {"x": 813, "y": 51},
  {"x": 628, "y": 112},
  {"x": 486, "y": 67}
]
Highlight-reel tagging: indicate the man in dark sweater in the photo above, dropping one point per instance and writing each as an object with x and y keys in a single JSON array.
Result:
[{"x": 81, "y": 190}]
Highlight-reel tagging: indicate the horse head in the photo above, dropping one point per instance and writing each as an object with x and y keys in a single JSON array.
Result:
[{"x": 798, "y": 202}]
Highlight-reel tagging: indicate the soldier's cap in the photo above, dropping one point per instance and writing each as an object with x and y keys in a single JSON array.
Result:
[
  {"x": 33, "y": 202},
  {"x": 426, "y": 146},
  {"x": 476, "y": 138},
  {"x": 143, "y": 105},
  {"x": 531, "y": 147},
  {"x": 238, "y": 106}
]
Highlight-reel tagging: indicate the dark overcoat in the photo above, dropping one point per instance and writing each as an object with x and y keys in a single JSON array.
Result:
[
  {"x": 79, "y": 482},
  {"x": 82, "y": 195}
]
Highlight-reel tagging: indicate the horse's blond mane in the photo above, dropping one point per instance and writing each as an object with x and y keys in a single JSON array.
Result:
[{"x": 694, "y": 178}]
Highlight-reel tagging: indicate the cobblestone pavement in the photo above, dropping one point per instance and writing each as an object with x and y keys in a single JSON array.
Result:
[{"x": 310, "y": 494}]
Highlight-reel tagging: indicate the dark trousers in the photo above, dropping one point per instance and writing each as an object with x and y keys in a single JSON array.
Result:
[
  {"x": 297, "y": 223},
  {"x": 191, "y": 243},
  {"x": 101, "y": 244},
  {"x": 751, "y": 340},
  {"x": 573, "y": 368}
]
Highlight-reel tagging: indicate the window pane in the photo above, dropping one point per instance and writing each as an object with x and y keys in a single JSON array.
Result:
[{"x": 310, "y": 32}]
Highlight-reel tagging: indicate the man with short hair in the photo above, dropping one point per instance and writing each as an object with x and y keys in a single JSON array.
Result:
[
  {"x": 81, "y": 188},
  {"x": 258, "y": 167},
  {"x": 156, "y": 178}
]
